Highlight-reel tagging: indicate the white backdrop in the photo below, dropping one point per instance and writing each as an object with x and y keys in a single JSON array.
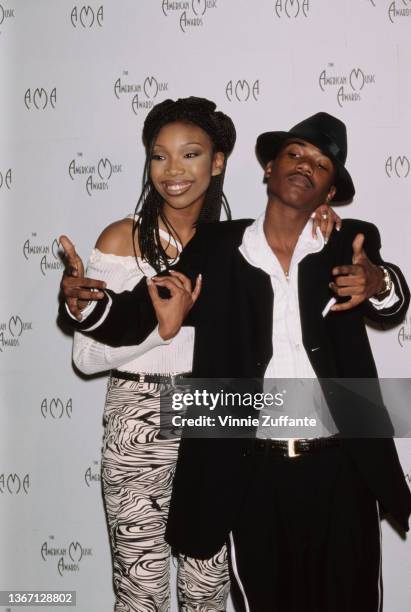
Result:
[{"x": 76, "y": 83}]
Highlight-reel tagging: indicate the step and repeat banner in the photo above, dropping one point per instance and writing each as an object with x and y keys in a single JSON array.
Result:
[{"x": 77, "y": 80}]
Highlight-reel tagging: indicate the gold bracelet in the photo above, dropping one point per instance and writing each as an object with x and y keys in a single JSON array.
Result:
[{"x": 387, "y": 283}]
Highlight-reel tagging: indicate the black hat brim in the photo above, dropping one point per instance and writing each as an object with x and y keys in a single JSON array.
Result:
[{"x": 269, "y": 145}]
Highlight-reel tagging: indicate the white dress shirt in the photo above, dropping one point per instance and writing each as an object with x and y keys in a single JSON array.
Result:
[{"x": 303, "y": 397}]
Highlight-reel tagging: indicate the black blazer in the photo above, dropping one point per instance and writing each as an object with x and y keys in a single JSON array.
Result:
[{"x": 233, "y": 319}]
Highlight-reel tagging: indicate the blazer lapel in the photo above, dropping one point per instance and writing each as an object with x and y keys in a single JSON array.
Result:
[{"x": 314, "y": 300}]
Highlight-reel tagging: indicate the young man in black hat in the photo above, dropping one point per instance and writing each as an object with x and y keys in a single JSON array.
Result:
[{"x": 302, "y": 516}]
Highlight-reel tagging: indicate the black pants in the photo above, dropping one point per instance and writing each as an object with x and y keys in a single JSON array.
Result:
[{"x": 307, "y": 538}]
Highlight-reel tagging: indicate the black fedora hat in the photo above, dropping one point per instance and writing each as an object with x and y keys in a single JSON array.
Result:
[{"x": 325, "y": 132}]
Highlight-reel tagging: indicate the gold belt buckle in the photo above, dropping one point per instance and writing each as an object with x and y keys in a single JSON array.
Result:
[{"x": 291, "y": 448}]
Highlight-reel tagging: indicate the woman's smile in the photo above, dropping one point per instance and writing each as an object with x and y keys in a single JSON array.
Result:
[{"x": 176, "y": 188}]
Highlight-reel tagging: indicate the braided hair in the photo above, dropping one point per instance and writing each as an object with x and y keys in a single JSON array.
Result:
[{"x": 221, "y": 131}]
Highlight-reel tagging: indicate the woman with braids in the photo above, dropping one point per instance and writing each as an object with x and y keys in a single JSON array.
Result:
[{"x": 187, "y": 144}]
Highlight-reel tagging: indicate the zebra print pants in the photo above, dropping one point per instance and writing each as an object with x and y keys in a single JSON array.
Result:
[{"x": 137, "y": 473}]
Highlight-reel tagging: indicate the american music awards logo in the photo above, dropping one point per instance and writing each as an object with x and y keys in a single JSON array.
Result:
[
  {"x": 92, "y": 474},
  {"x": 243, "y": 90},
  {"x": 86, "y": 16},
  {"x": 143, "y": 94},
  {"x": 191, "y": 13},
  {"x": 66, "y": 558},
  {"x": 56, "y": 408},
  {"x": 14, "y": 484},
  {"x": 396, "y": 9},
  {"x": 12, "y": 330},
  {"x": 291, "y": 8},
  {"x": 40, "y": 99},
  {"x": 404, "y": 333},
  {"x": 5, "y": 14},
  {"x": 399, "y": 9},
  {"x": 46, "y": 253},
  {"x": 98, "y": 175},
  {"x": 347, "y": 86},
  {"x": 5, "y": 179},
  {"x": 397, "y": 167}
]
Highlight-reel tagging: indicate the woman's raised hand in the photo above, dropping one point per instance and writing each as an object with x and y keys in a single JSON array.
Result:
[
  {"x": 325, "y": 218},
  {"x": 172, "y": 311}
]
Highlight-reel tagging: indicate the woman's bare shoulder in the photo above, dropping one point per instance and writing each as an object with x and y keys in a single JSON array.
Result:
[{"x": 117, "y": 239}]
